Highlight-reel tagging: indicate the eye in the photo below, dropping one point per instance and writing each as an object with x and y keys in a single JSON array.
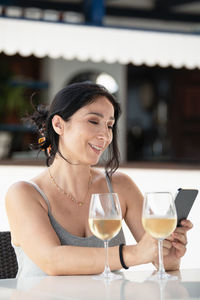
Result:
[
  {"x": 93, "y": 122},
  {"x": 110, "y": 125}
]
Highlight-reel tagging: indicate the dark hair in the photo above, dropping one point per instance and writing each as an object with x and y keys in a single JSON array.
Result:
[{"x": 66, "y": 102}]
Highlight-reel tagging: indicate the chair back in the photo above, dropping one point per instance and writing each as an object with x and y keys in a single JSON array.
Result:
[{"x": 8, "y": 260}]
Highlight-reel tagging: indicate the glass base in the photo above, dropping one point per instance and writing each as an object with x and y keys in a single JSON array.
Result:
[
  {"x": 162, "y": 276},
  {"x": 107, "y": 276}
]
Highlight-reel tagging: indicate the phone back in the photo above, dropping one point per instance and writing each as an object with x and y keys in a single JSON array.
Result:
[{"x": 184, "y": 201}]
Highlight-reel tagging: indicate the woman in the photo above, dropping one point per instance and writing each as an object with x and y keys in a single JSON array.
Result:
[{"x": 48, "y": 215}]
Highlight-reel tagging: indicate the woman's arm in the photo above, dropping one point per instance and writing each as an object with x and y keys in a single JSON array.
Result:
[
  {"x": 32, "y": 231},
  {"x": 131, "y": 200},
  {"x": 174, "y": 247}
]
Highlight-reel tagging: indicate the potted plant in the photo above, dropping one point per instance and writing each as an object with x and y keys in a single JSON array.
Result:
[{"x": 13, "y": 103}]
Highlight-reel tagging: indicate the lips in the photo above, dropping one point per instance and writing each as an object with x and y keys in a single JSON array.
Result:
[{"x": 96, "y": 149}]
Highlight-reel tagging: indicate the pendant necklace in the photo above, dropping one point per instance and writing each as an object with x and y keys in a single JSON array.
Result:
[{"x": 69, "y": 195}]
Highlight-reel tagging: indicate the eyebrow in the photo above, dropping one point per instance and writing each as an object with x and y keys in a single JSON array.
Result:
[{"x": 99, "y": 115}]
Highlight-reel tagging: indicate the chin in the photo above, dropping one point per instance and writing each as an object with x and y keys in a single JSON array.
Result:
[{"x": 93, "y": 162}]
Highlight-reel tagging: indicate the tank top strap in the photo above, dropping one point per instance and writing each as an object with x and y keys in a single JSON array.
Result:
[
  {"x": 110, "y": 188},
  {"x": 36, "y": 187}
]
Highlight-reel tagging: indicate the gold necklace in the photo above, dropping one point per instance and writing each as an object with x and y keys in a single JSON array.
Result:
[{"x": 69, "y": 195}]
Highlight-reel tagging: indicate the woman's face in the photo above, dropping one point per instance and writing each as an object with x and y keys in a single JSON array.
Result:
[{"x": 88, "y": 132}]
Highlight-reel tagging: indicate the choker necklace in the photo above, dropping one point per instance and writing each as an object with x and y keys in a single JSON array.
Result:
[{"x": 69, "y": 195}]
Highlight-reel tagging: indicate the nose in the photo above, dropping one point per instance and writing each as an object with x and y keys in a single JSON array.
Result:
[{"x": 105, "y": 134}]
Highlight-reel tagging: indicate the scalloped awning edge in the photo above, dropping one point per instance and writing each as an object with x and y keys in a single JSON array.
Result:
[{"x": 99, "y": 44}]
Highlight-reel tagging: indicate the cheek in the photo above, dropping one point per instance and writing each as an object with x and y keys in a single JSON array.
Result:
[
  {"x": 70, "y": 139},
  {"x": 109, "y": 142},
  {"x": 79, "y": 138},
  {"x": 111, "y": 138}
]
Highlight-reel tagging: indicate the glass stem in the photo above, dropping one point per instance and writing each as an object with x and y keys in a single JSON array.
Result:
[
  {"x": 161, "y": 269},
  {"x": 107, "y": 268},
  {"x": 162, "y": 285}
]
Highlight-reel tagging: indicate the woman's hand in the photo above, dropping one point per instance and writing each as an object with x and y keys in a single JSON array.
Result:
[
  {"x": 174, "y": 247},
  {"x": 147, "y": 249}
]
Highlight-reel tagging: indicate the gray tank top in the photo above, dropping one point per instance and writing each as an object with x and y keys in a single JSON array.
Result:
[{"x": 27, "y": 268}]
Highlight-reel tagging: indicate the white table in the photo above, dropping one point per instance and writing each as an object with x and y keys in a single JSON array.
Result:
[{"x": 134, "y": 285}]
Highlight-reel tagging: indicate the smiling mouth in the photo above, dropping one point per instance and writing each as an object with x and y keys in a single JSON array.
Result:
[{"x": 96, "y": 149}]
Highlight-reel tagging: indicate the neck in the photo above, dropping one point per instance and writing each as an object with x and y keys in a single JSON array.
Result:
[{"x": 72, "y": 178}]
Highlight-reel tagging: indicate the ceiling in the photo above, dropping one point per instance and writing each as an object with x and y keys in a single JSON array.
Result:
[{"x": 166, "y": 15}]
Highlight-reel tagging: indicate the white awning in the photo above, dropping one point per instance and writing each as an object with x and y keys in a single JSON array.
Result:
[{"x": 99, "y": 44}]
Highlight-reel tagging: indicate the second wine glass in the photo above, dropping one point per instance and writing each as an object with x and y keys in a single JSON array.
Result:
[
  {"x": 159, "y": 219},
  {"x": 105, "y": 221}
]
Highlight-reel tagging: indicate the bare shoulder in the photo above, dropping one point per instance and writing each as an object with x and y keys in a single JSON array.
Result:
[
  {"x": 122, "y": 181},
  {"x": 127, "y": 189},
  {"x": 131, "y": 200},
  {"x": 17, "y": 188},
  {"x": 22, "y": 193}
]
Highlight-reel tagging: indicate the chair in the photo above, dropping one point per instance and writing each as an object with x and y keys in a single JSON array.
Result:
[{"x": 8, "y": 260}]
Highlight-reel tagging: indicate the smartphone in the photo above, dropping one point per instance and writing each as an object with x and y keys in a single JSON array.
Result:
[{"x": 183, "y": 202}]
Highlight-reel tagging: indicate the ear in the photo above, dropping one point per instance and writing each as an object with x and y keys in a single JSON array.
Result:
[{"x": 57, "y": 123}]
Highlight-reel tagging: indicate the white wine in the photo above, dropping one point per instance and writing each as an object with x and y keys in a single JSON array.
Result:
[
  {"x": 158, "y": 227},
  {"x": 105, "y": 229}
]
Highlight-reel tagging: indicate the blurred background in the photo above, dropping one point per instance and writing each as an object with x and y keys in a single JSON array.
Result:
[
  {"x": 160, "y": 95},
  {"x": 146, "y": 52}
]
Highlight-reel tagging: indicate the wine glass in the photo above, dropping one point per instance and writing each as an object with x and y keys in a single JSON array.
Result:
[
  {"x": 159, "y": 219},
  {"x": 105, "y": 221}
]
